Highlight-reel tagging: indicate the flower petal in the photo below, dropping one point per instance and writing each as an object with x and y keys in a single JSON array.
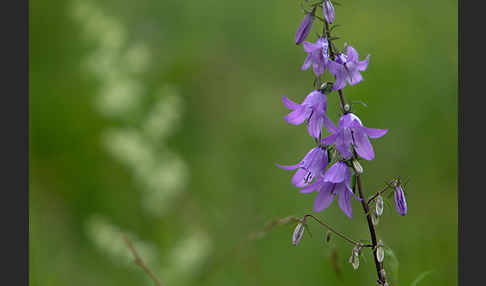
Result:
[
  {"x": 334, "y": 68},
  {"x": 354, "y": 77},
  {"x": 307, "y": 62},
  {"x": 362, "y": 145},
  {"x": 325, "y": 197},
  {"x": 352, "y": 54},
  {"x": 361, "y": 66},
  {"x": 329, "y": 125},
  {"x": 343, "y": 143},
  {"x": 288, "y": 167},
  {"x": 299, "y": 178},
  {"x": 329, "y": 140},
  {"x": 289, "y": 103},
  {"x": 344, "y": 199},
  {"x": 310, "y": 47},
  {"x": 315, "y": 125},
  {"x": 312, "y": 187},
  {"x": 374, "y": 133},
  {"x": 298, "y": 116},
  {"x": 340, "y": 82},
  {"x": 336, "y": 173}
]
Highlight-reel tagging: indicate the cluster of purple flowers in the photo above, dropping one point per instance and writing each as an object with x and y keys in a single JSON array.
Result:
[{"x": 349, "y": 140}]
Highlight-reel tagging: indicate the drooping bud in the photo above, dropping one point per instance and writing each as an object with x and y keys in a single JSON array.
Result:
[
  {"x": 304, "y": 28},
  {"x": 357, "y": 167},
  {"x": 380, "y": 251},
  {"x": 400, "y": 202},
  {"x": 347, "y": 107},
  {"x": 379, "y": 205},
  {"x": 383, "y": 275},
  {"x": 328, "y": 236},
  {"x": 328, "y": 11},
  {"x": 375, "y": 219},
  {"x": 298, "y": 233},
  {"x": 354, "y": 258}
]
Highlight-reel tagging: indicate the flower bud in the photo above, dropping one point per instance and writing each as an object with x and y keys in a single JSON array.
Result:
[
  {"x": 380, "y": 251},
  {"x": 383, "y": 275},
  {"x": 375, "y": 219},
  {"x": 357, "y": 167},
  {"x": 379, "y": 205},
  {"x": 298, "y": 233},
  {"x": 328, "y": 11},
  {"x": 347, "y": 107},
  {"x": 328, "y": 236},
  {"x": 400, "y": 202},
  {"x": 304, "y": 28},
  {"x": 354, "y": 258}
]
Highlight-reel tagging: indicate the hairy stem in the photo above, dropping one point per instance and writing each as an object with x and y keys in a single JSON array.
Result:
[
  {"x": 332, "y": 55},
  {"x": 379, "y": 265}
]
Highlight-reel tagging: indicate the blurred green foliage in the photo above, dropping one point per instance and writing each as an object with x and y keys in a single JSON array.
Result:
[{"x": 229, "y": 63}]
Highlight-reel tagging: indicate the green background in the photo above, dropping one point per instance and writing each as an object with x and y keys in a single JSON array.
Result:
[{"x": 190, "y": 188}]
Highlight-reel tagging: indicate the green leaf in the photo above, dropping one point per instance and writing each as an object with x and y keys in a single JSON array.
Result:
[
  {"x": 392, "y": 262},
  {"x": 421, "y": 277}
]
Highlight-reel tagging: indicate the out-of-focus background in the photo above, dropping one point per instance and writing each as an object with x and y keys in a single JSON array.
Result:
[{"x": 163, "y": 120}]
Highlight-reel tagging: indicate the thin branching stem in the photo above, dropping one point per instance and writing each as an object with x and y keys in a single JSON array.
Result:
[
  {"x": 139, "y": 260},
  {"x": 343, "y": 236}
]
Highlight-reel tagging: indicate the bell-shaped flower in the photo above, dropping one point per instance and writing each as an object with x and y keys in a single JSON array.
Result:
[
  {"x": 313, "y": 164},
  {"x": 304, "y": 28},
  {"x": 347, "y": 67},
  {"x": 335, "y": 181},
  {"x": 351, "y": 131},
  {"x": 312, "y": 109},
  {"x": 317, "y": 56}
]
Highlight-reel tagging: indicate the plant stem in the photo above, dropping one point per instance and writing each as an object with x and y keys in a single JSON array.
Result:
[
  {"x": 333, "y": 56},
  {"x": 377, "y": 194},
  {"x": 364, "y": 203},
  {"x": 139, "y": 261},
  {"x": 379, "y": 265},
  {"x": 343, "y": 236}
]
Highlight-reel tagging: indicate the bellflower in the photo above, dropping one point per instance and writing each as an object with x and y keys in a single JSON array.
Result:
[
  {"x": 312, "y": 109},
  {"x": 304, "y": 28},
  {"x": 400, "y": 202},
  {"x": 313, "y": 164},
  {"x": 317, "y": 55},
  {"x": 328, "y": 11},
  {"x": 336, "y": 181},
  {"x": 351, "y": 131},
  {"x": 346, "y": 68}
]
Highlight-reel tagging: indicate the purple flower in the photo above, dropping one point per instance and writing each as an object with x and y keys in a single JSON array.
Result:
[
  {"x": 400, "y": 202},
  {"x": 328, "y": 11},
  {"x": 351, "y": 131},
  {"x": 313, "y": 164},
  {"x": 304, "y": 28},
  {"x": 312, "y": 109},
  {"x": 346, "y": 68},
  {"x": 317, "y": 55},
  {"x": 335, "y": 181}
]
